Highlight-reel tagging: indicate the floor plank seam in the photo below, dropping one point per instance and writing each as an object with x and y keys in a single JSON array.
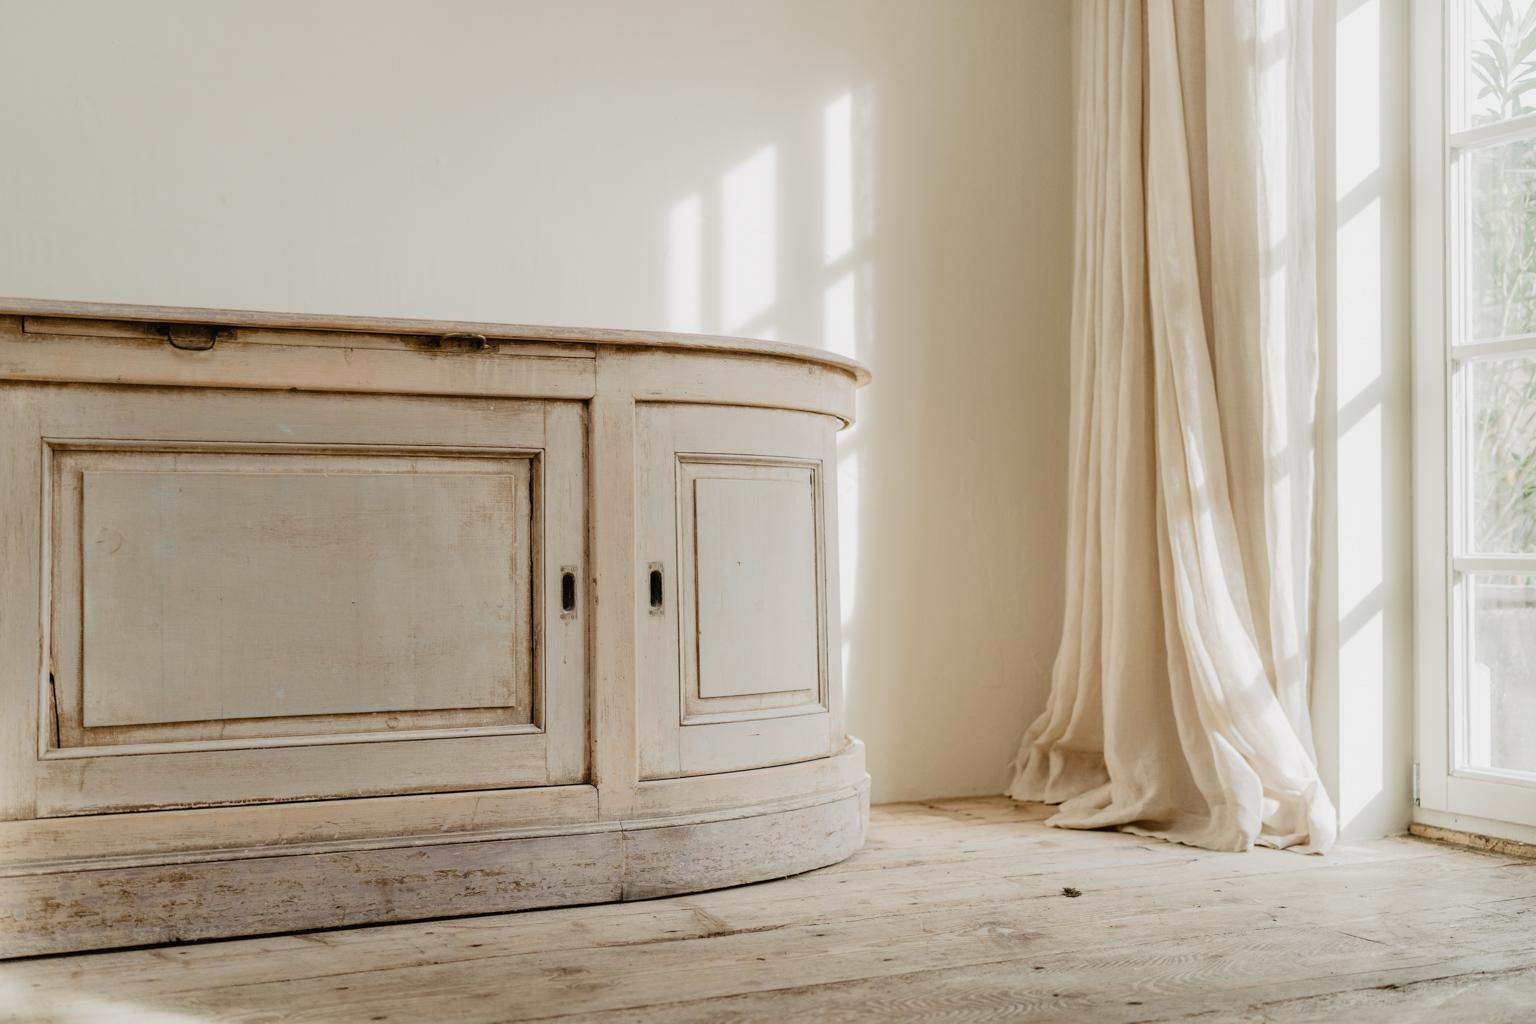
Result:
[
  {"x": 941, "y": 918},
  {"x": 1277, "y": 1004},
  {"x": 772, "y": 991}
]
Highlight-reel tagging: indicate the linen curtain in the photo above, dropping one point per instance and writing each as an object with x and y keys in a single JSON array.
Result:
[{"x": 1179, "y": 696}]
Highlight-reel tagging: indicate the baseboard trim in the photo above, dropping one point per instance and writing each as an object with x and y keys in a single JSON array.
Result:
[
  {"x": 101, "y": 907},
  {"x": 1473, "y": 840}
]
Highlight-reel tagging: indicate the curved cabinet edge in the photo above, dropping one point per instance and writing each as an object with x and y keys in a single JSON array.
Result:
[
  {"x": 97, "y": 908},
  {"x": 314, "y": 322},
  {"x": 675, "y": 859},
  {"x": 150, "y": 838}
]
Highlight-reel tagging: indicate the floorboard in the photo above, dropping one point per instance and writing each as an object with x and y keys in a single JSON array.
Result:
[{"x": 955, "y": 911}]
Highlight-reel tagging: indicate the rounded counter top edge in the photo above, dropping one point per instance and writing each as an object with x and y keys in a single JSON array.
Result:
[{"x": 398, "y": 325}]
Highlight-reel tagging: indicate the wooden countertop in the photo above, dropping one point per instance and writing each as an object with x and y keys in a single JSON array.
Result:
[{"x": 393, "y": 325}]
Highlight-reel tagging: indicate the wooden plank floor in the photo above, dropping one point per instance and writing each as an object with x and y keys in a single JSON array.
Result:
[{"x": 954, "y": 912}]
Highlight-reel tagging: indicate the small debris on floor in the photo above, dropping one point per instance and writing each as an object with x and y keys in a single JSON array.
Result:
[{"x": 1069, "y": 891}]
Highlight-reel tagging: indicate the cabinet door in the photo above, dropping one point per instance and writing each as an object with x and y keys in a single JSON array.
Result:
[
  {"x": 252, "y": 597},
  {"x": 737, "y": 583}
]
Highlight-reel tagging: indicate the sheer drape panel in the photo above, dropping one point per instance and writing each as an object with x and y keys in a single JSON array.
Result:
[{"x": 1179, "y": 694}]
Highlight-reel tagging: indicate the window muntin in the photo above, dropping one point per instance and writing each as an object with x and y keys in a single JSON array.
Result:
[{"x": 1491, "y": 198}]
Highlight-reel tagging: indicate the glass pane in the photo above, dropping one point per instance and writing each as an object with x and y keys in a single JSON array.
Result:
[
  {"x": 1499, "y": 44},
  {"x": 1499, "y": 727},
  {"x": 1501, "y": 235},
  {"x": 1502, "y": 418}
]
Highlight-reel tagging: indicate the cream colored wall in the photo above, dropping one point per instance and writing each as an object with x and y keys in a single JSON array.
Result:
[
  {"x": 886, "y": 177},
  {"x": 1362, "y": 701}
]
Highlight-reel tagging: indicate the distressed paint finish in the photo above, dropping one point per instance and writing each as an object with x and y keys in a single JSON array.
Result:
[
  {"x": 411, "y": 572},
  {"x": 791, "y": 707},
  {"x": 953, "y": 911},
  {"x": 288, "y": 642},
  {"x": 64, "y": 909}
]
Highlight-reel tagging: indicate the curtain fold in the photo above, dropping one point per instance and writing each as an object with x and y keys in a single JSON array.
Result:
[{"x": 1178, "y": 704}]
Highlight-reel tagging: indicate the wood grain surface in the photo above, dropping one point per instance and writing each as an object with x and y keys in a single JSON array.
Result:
[{"x": 953, "y": 912}]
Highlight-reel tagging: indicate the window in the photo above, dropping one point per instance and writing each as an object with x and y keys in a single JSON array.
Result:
[{"x": 1474, "y": 74}]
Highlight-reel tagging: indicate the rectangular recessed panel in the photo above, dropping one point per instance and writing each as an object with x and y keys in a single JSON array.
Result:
[
  {"x": 282, "y": 589},
  {"x": 756, "y": 586}
]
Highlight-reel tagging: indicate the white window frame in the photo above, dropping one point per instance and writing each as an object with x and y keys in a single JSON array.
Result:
[{"x": 1446, "y": 793}]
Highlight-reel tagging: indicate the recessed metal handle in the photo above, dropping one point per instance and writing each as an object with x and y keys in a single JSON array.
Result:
[
  {"x": 191, "y": 337},
  {"x": 658, "y": 603},
  {"x": 462, "y": 341},
  {"x": 567, "y": 591}
]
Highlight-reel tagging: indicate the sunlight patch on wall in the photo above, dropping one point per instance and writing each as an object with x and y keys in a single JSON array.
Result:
[
  {"x": 837, "y": 178},
  {"x": 1358, "y": 104},
  {"x": 844, "y": 196},
  {"x": 840, "y": 320},
  {"x": 1361, "y": 702},
  {"x": 1359, "y": 303},
  {"x": 1359, "y": 482},
  {"x": 1361, "y": 511},
  {"x": 749, "y": 246},
  {"x": 723, "y": 269}
]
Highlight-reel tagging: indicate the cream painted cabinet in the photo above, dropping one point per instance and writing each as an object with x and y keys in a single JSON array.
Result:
[
  {"x": 274, "y": 596},
  {"x": 736, "y": 536},
  {"x": 317, "y": 621}
]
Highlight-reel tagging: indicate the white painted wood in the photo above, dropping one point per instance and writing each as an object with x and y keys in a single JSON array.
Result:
[
  {"x": 22, "y": 725},
  {"x": 58, "y": 912},
  {"x": 293, "y": 758},
  {"x": 208, "y": 831},
  {"x": 321, "y": 361},
  {"x": 238, "y": 364},
  {"x": 1492, "y": 348},
  {"x": 203, "y": 832},
  {"x": 1431, "y": 399},
  {"x": 774, "y": 700},
  {"x": 755, "y": 742},
  {"x": 335, "y": 621},
  {"x": 80, "y": 328},
  {"x": 311, "y": 769},
  {"x": 1506, "y": 805},
  {"x": 561, "y": 638},
  {"x": 1497, "y": 133},
  {"x": 706, "y": 793},
  {"x": 739, "y": 380},
  {"x": 608, "y": 337},
  {"x": 752, "y": 532},
  {"x": 715, "y": 854},
  {"x": 389, "y": 583},
  {"x": 50, "y": 910}
]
